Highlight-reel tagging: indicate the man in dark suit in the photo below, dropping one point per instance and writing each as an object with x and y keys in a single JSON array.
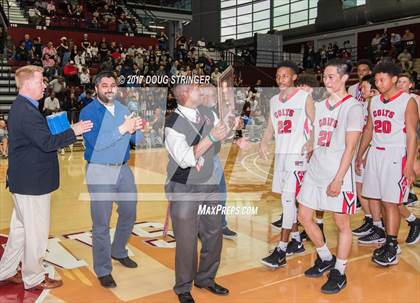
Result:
[{"x": 32, "y": 175}]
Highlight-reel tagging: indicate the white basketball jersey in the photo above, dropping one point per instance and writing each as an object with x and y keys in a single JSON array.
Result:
[
  {"x": 330, "y": 127},
  {"x": 365, "y": 112},
  {"x": 356, "y": 91},
  {"x": 417, "y": 99},
  {"x": 291, "y": 129},
  {"x": 388, "y": 119},
  {"x": 291, "y": 125}
]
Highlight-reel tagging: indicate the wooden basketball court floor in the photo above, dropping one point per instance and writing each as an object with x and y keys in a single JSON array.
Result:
[{"x": 241, "y": 271}]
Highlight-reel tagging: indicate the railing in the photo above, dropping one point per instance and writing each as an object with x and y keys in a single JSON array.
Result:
[
  {"x": 179, "y": 5},
  {"x": 206, "y": 52},
  {"x": 316, "y": 61},
  {"x": 262, "y": 58},
  {"x": 4, "y": 70},
  {"x": 149, "y": 15},
  {"x": 8, "y": 88},
  {"x": 5, "y": 13}
]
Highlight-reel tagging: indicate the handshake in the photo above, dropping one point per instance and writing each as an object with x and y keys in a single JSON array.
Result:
[{"x": 131, "y": 124}]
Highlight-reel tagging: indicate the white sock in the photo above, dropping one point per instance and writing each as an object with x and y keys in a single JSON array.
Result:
[
  {"x": 340, "y": 265},
  {"x": 368, "y": 216},
  {"x": 319, "y": 221},
  {"x": 324, "y": 253},
  {"x": 411, "y": 218},
  {"x": 378, "y": 224},
  {"x": 282, "y": 246},
  {"x": 295, "y": 235}
]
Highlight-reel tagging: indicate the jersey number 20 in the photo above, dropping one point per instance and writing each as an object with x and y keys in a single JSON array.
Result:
[{"x": 382, "y": 126}]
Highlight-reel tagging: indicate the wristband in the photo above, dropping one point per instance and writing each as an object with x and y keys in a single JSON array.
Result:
[{"x": 211, "y": 138}]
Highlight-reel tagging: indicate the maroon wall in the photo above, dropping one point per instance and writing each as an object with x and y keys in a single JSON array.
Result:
[
  {"x": 17, "y": 34},
  {"x": 250, "y": 74}
]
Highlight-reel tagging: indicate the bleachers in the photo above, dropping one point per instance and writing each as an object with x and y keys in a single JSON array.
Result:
[
  {"x": 7, "y": 87},
  {"x": 54, "y": 36},
  {"x": 106, "y": 21}
]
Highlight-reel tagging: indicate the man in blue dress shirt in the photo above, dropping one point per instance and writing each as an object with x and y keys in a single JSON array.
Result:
[{"x": 108, "y": 176}]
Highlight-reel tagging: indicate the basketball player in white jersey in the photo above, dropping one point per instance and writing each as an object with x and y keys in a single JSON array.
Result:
[
  {"x": 329, "y": 182},
  {"x": 406, "y": 83},
  {"x": 389, "y": 172},
  {"x": 311, "y": 85},
  {"x": 372, "y": 230},
  {"x": 364, "y": 68},
  {"x": 291, "y": 116}
]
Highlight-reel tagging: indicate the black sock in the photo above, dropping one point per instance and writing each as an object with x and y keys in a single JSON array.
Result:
[{"x": 391, "y": 239}]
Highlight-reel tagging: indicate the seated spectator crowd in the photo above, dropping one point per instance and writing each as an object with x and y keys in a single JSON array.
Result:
[
  {"x": 106, "y": 15},
  {"x": 70, "y": 67}
]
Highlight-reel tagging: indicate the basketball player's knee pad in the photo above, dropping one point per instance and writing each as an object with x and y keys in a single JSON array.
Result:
[{"x": 288, "y": 201}]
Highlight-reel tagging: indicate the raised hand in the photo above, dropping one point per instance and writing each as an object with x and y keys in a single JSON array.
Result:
[
  {"x": 130, "y": 124},
  {"x": 82, "y": 127},
  {"x": 219, "y": 132},
  {"x": 138, "y": 123}
]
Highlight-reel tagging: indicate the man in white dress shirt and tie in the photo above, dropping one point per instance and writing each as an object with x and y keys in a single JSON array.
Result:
[{"x": 192, "y": 136}]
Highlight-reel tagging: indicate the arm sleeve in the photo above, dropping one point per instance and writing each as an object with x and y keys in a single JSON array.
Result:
[
  {"x": 355, "y": 119},
  {"x": 178, "y": 148},
  {"x": 39, "y": 134}
]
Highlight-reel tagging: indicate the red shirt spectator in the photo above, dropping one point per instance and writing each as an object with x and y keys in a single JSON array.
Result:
[
  {"x": 70, "y": 69},
  {"x": 116, "y": 55}
]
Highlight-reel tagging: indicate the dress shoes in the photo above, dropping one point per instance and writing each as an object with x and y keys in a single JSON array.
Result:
[
  {"x": 48, "y": 284},
  {"x": 216, "y": 289},
  {"x": 186, "y": 298},
  {"x": 127, "y": 262},
  {"x": 107, "y": 281}
]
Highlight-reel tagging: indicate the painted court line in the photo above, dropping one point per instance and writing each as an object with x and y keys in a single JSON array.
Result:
[{"x": 295, "y": 277}]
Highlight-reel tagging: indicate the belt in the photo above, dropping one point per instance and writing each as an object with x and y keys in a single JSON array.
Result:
[{"x": 109, "y": 164}]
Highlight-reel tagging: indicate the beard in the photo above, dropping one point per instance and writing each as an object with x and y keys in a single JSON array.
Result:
[{"x": 106, "y": 98}]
